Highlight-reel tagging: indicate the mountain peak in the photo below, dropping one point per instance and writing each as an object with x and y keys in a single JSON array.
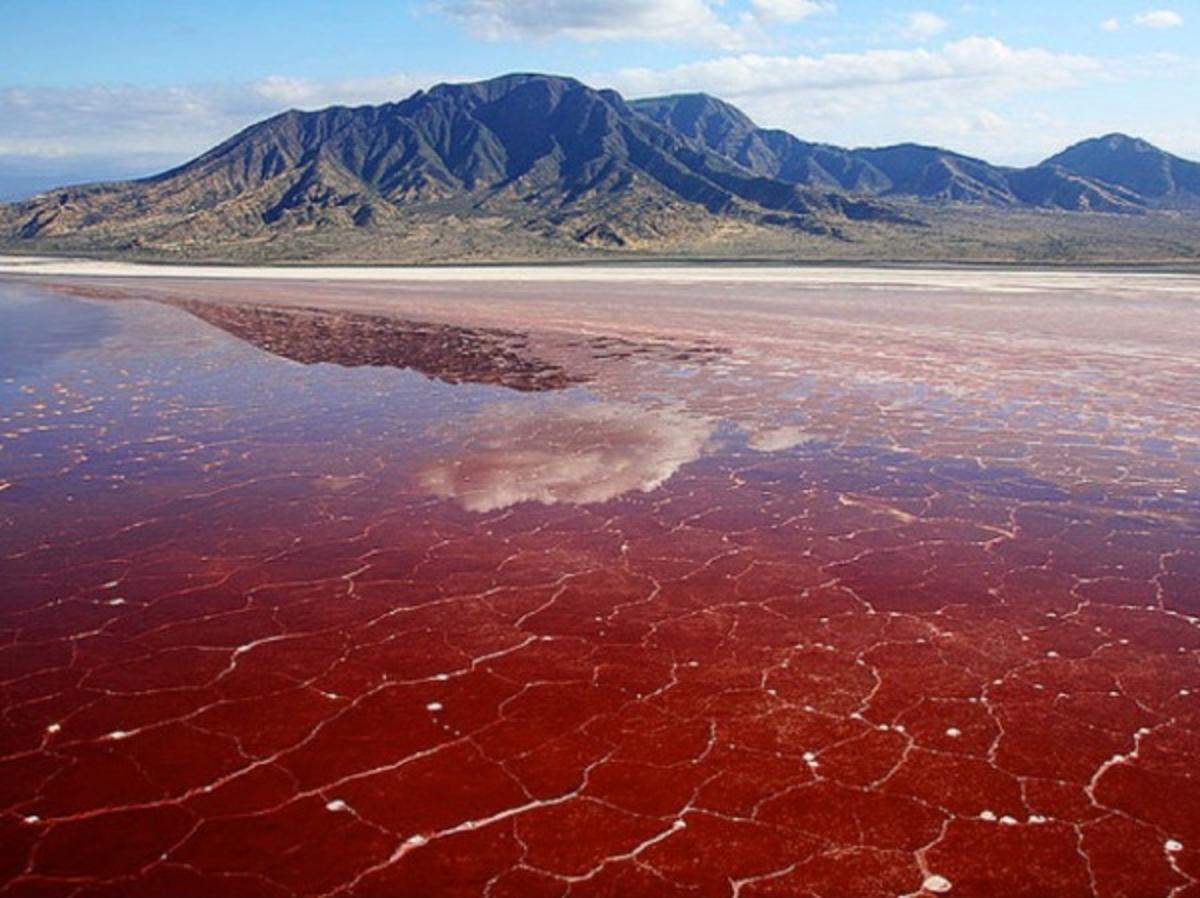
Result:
[
  {"x": 698, "y": 114},
  {"x": 1134, "y": 164},
  {"x": 1115, "y": 142},
  {"x": 550, "y": 88}
]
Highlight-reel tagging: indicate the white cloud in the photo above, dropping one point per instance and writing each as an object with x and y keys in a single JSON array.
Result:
[
  {"x": 164, "y": 122},
  {"x": 1110, "y": 24},
  {"x": 949, "y": 95},
  {"x": 1158, "y": 18},
  {"x": 921, "y": 25},
  {"x": 787, "y": 10},
  {"x": 980, "y": 62},
  {"x": 778, "y": 439},
  {"x": 574, "y": 453},
  {"x": 306, "y": 93},
  {"x": 588, "y": 20}
]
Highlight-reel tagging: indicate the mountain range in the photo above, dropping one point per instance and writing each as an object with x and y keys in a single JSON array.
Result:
[{"x": 532, "y": 165}]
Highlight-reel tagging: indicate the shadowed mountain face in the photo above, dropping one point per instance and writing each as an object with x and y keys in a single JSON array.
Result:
[
  {"x": 908, "y": 170},
  {"x": 537, "y": 163},
  {"x": 1135, "y": 165}
]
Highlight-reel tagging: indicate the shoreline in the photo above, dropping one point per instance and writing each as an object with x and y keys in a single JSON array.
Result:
[{"x": 992, "y": 277}]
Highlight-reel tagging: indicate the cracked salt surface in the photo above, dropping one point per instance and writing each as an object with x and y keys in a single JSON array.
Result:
[{"x": 752, "y": 673}]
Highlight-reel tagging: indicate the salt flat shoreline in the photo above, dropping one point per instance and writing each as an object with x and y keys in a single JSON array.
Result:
[{"x": 999, "y": 279}]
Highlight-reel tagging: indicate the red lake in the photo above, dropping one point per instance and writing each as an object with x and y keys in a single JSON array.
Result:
[{"x": 580, "y": 589}]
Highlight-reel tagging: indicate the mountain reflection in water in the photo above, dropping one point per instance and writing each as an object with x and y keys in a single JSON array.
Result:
[{"x": 440, "y": 351}]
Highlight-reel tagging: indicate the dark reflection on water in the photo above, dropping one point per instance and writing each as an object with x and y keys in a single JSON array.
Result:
[{"x": 443, "y": 352}]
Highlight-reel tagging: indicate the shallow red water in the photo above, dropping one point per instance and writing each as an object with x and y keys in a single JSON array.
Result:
[{"x": 274, "y": 629}]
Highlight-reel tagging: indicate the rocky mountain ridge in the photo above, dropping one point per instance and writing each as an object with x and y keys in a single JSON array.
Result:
[{"x": 533, "y": 161}]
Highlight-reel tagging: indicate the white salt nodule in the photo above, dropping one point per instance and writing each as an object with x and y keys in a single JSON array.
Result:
[
  {"x": 434, "y": 706},
  {"x": 32, "y": 818},
  {"x": 336, "y": 805},
  {"x": 54, "y": 728},
  {"x": 953, "y": 732},
  {"x": 416, "y": 841},
  {"x": 935, "y": 883},
  {"x": 117, "y": 735},
  {"x": 987, "y": 815},
  {"x": 1173, "y": 845},
  {"x": 1008, "y": 821}
]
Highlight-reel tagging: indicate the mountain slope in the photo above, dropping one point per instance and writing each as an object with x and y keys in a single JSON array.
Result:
[
  {"x": 548, "y": 154},
  {"x": 1135, "y": 165},
  {"x": 904, "y": 170}
]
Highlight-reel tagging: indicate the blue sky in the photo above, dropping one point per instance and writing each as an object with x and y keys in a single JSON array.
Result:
[{"x": 91, "y": 89}]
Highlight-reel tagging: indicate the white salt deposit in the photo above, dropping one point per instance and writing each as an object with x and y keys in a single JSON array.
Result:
[{"x": 936, "y": 884}]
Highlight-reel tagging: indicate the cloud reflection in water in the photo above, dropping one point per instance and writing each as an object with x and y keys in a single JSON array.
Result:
[{"x": 575, "y": 453}]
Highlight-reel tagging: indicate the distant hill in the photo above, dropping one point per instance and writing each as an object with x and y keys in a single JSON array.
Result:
[
  {"x": 908, "y": 170},
  {"x": 531, "y": 166},
  {"x": 1136, "y": 166}
]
